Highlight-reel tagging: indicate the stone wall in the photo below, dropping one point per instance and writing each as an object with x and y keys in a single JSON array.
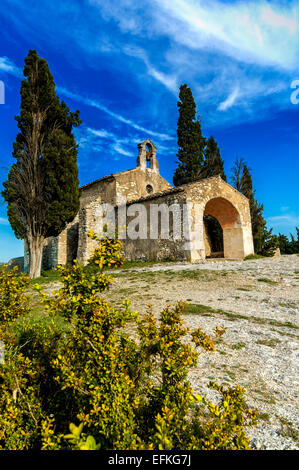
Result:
[
  {"x": 88, "y": 220},
  {"x": 161, "y": 248},
  {"x": 99, "y": 190},
  {"x": 61, "y": 249},
  {"x": 138, "y": 183},
  {"x": 19, "y": 262},
  {"x": 211, "y": 196}
]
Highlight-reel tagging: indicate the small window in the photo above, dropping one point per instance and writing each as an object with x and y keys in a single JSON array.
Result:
[{"x": 149, "y": 189}]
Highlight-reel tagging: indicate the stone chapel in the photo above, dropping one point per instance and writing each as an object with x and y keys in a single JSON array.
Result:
[{"x": 145, "y": 186}]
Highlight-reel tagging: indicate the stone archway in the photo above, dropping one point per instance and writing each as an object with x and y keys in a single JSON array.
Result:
[
  {"x": 230, "y": 221},
  {"x": 215, "y": 197}
]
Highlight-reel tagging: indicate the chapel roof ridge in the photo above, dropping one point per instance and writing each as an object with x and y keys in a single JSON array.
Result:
[
  {"x": 219, "y": 177},
  {"x": 181, "y": 188},
  {"x": 107, "y": 177}
]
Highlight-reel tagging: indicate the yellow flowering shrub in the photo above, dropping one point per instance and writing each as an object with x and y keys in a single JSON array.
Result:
[
  {"x": 18, "y": 404},
  {"x": 28, "y": 392},
  {"x": 98, "y": 386},
  {"x": 13, "y": 300}
]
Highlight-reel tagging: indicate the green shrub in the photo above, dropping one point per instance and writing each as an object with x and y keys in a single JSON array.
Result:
[
  {"x": 13, "y": 300},
  {"x": 269, "y": 243},
  {"x": 121, "y": 391},
  {"x": 254, "y": 256}
]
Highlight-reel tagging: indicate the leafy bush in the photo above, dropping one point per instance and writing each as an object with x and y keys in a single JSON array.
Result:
[
  {"x": 254, "y": 256},
  {"x": 17, "y": 375},
  {"x": 122, "y": 390},
  {"x": 289, "y": 246},
  {"x": 20, "y": 407},
  {"x": 269, "y": 243},
  {"x": 13, "y": 301}
]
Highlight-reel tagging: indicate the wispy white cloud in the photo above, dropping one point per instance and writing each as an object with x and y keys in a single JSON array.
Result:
[
  {"x": 97, "y": 104},
  {"x": 238, "y": 56},
  {"x": 7, "y": 66},
  {"x": 250, "y": 31},
  {"x": 96, "y": 140},
  {"x": 120, "y": 150},
  {"x": 279, "y": 20},
  {"x": 4, "y": 221},
  {"x": 285, "y": 222},
  {"x": 112, "y": 145},
  {"x": 254, "y": 31},
  {"x": 230, "y": 100},
  {"x": 109, "y": 143},
  {"x": 168, "y": 80},
  {"x": 102, "y": 133}
]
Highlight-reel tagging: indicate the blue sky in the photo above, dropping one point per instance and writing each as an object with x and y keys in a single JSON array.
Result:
[{"x": 121, "y": 63}]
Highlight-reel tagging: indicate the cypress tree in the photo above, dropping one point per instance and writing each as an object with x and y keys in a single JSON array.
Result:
[
  {"x": 191, "y": 143},
  {"x": 284, "y": 244},
  {"x": 213, "y": 164},
  {"x": 242, "y": 180},
  {"x": 269, "y": 242},
  {"x": 256, "y": 211},
  {"x": 246, "y": 186},
  {"x": 42, "y": 189},
  {"x": 198, "y": 158},
  {"x": 287, "y": 246}
]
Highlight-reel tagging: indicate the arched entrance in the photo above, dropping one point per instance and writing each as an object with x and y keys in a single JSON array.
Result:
[
  {"x": 229, "y": 219},
  {"x": 213, "y": 237}
]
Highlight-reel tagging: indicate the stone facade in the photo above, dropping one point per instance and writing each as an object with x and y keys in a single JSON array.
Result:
[
  {"x": 211, "y": 196},
  {"x": 144, "y": 187}
]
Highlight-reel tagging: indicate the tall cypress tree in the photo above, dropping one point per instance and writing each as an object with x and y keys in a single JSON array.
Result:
[
  {"x": 236, "y": 174},
  {"x": 256, "y": 210},
  {"x": 242, "y": 181},
  {"x": 42, "y": 189},
  {"x": 191, "y": 143},
  {"x": 213, "y": 164},
  {"x": 246, "y": 186}
]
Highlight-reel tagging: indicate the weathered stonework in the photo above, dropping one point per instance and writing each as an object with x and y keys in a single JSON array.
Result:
[
  {"x": 211, "y": 196},
  {"x": 144, "y": 185}
]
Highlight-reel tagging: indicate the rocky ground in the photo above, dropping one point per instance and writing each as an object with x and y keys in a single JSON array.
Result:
[{"x": 257, "y": 302}]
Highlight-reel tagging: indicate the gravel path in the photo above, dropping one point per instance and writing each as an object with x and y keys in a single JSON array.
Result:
[{"x": 257, "y": 302}]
